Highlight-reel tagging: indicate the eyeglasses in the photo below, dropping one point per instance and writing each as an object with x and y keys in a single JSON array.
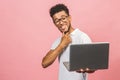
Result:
[{"x": 57, "y": 21}]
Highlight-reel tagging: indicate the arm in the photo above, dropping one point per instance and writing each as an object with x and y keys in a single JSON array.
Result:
[{"x": 52, "y": 54}]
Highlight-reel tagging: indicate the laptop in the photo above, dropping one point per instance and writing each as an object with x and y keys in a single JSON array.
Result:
[{"x": 91, "y": 55}]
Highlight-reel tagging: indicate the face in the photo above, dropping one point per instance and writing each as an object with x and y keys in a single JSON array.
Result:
[{"x": 62, "y": 21}]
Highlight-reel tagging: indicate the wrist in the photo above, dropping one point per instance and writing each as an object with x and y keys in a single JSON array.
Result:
[{"x": 62, "y": 46}]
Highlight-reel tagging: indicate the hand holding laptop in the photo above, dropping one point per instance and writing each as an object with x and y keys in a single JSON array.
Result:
[{"x": 86, "y": 70}]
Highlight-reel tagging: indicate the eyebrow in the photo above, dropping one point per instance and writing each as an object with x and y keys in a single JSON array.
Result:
[
  {"x": 64, "y": 15},
  {"x": 61, "y": 16}
]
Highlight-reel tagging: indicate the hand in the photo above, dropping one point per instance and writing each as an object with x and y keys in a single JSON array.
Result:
[
  {"x": 66, "y": 39},
  {"x": 86, "y": 70}
]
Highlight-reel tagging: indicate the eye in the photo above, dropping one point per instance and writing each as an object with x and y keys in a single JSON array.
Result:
[
  {"x": 63, "y": 18},
  {"x": 56, "y": 21}
]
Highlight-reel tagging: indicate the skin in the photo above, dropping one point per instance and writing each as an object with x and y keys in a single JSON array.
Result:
[{"x": 64, "y": 26}]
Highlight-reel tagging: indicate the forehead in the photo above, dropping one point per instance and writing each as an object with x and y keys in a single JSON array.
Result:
[{"x": 59, "y": 14}]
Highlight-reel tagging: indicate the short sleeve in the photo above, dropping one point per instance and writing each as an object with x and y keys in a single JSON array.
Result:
[
  {"x": 55, "y": 44},
  {"x": 86, "y": 38}
]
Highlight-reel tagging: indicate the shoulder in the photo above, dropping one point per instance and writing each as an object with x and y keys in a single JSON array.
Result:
[
  {"x": 85, "y": 38},
  {"x": 79, "y": 32}
]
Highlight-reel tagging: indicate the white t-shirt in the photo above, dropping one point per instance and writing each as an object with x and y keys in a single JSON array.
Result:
[{"x": 78, "y": 37}]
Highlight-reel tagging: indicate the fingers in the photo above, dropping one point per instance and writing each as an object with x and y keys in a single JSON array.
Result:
[
  {"x": 81, "y": 71},
  {"x": 87, "y": 69},
  {"x": 66, "y": 39},
  {"x": 63, "y": 34},
  {"x": 67, "y": 34},
  {"x": 84, "y": 70},
  {"x": 90, "y": 70}
]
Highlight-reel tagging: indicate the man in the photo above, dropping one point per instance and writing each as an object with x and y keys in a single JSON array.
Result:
[{"x": 60, "y": 48}]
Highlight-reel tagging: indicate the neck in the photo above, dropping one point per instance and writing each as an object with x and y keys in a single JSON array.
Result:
[{"x": 71, "y": 29}]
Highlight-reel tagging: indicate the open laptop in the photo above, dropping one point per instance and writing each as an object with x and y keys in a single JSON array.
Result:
[{"x": 91, "y": 55}]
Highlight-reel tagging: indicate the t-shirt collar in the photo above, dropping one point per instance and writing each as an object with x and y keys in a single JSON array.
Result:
[{"x": 74, "y": 32}]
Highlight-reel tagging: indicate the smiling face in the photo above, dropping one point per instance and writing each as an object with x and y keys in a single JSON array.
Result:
[{"x": 62, "y": 21}]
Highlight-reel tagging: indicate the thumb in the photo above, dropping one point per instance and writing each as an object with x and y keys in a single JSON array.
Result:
[{"x": 63, "y": 34}]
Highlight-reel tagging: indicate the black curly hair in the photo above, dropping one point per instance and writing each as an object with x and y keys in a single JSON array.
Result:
[{"x": 57, "y": 8}]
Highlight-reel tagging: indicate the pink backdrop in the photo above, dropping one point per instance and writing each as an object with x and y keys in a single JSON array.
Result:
[{"x": 27, "y": 32}]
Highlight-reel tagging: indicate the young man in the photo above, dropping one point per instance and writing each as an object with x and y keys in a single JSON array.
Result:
[{"x": 60, "y": 48}]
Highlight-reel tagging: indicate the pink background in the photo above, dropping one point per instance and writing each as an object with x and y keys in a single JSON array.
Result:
[{"x": 27, "y": 32}]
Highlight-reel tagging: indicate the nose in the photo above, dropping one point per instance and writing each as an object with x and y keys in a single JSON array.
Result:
[{"x": 61, "y": 22}]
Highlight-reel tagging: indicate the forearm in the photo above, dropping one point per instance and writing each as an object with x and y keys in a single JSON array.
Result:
[{"x": 51, "y": 56}]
